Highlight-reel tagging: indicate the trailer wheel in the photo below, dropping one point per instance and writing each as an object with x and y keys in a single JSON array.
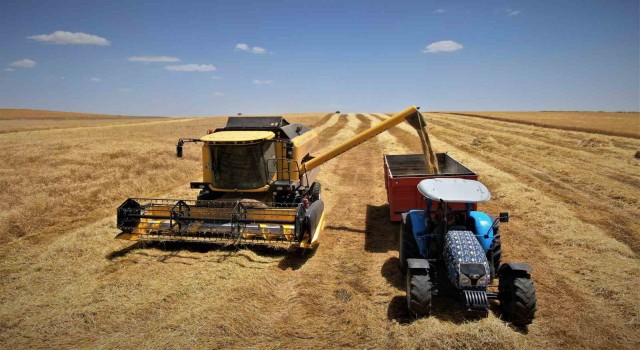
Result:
[
  {"x": 316, "y": 191},
  {"x": 418, "y": 285},
  {"x": 494, "y": 255},
  {"x": 407, "y": 246},
  {"x": 518, "y": 300}
]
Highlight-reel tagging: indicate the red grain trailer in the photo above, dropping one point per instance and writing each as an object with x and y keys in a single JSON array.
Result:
[{"x": 403, "y": 172}]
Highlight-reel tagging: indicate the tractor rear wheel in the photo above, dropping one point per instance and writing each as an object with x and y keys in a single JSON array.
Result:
[
  {"x": 407, "y": 246},
  {"x": 518, "y": 300},
  {"x": 418, "y": 285}
]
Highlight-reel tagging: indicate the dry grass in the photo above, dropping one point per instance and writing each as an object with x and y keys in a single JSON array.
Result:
[
  {"x": 68, "y": 283},
  {"x": 626, "y": 124},
  {"x": 17, "y": 120},
  {"x": 30, "y": 114}
]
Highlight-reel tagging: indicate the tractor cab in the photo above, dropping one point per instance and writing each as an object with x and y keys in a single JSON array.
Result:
[{"x": 451, "y": 206}]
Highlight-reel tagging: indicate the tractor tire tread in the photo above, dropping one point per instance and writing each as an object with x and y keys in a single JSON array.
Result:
[
  {"x": 521, "y": 306},
  {"x": 316, "y": 191},
  {"x": 420, "y": 295}
]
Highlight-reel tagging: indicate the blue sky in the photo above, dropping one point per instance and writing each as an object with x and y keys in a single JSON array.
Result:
[{"x": 215, "y": 57}]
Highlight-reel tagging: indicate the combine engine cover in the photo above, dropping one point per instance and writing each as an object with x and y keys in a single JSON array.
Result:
[{"x": 467, "y": 267}]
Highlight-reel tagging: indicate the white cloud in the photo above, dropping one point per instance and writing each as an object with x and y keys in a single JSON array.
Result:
[
  {"x": 9, "y": 69},
  {"x": 218, "y": 94},
  {"x": 443, "y": 46},
  {"x": 125, "y": 90},
  {"x": 512, "y": 13},
  {"x": 258, "y": 50},
  {"x": 439, "y": 11},
  {"x": 151, "y": 59},
  {"x": 25, "y": 63},
  {"x": 262, "y": 82},
  {"x": 215, "y": 77},
  {"x": 246, "y": 48},
  {"x": 191, "y": 68},
  {"x": 67, "y": 38},
  {"x": 95, "y": 80}
]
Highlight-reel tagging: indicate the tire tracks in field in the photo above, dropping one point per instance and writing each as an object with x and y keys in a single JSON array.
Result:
[
  {"x": 585, "y": 198},
  {"x": 550, "y": 126},
  {"x": 332, "y": 279},
  {"x": 574, "y": 154},
  {"x": 333, "y": 129},
  {"x": 322, "y": 121},
  {"x": 172, "y": 120},
  {"x": 567, "y": 146}
]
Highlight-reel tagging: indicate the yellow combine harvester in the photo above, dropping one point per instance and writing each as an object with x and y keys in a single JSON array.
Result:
[{"x": 259, "y": 186}]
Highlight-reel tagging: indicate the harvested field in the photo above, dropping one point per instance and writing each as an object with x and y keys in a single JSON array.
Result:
[
  {"x": 573, "y": 199},
  {"x": 16, "y": 120},
  {"x": 625, "y": 124}
]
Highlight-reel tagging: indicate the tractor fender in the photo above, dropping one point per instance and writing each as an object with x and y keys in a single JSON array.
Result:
[
  {"x": 418, "y": 228},
  {"x": 422, "y": 264},
  {"x": 514, "y": 267},
  {"x": 417, "y": 221},
  {"x": 483, "y": 226}
]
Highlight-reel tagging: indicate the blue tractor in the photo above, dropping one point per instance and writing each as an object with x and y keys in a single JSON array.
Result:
[{"x": 452, "y": 250}]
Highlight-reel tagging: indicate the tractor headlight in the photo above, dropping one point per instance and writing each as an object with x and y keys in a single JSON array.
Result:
[
  {"x": 483, "y": 281},
  {"x": 464, "y": 280}
]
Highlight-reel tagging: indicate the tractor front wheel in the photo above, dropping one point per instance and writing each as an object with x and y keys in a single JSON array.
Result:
[
  {"x": 418, "y": 286},
  {"x": 518, "y": 300},
  {"x": 407, "y": 245}
]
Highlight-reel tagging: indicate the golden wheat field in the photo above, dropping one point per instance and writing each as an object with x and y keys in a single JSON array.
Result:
[
  {"x": 12, "y": 120},
  {"x": 607, "y": 123},
  {"x": 66, "y": 283}
]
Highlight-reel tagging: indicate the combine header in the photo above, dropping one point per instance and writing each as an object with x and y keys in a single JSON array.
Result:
[{"x": 259, "y": 186}]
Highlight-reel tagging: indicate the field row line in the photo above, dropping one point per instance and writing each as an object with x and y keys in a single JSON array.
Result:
[{"x": 173, "y": 120}]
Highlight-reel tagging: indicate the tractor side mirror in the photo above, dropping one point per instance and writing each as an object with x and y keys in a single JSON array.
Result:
[
  {"x": 504, "y": 217},
  {"x": 179, "y": 149}
]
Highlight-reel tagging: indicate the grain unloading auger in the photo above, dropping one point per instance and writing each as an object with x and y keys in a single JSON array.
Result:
[{"x": 259, "y": 186}]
